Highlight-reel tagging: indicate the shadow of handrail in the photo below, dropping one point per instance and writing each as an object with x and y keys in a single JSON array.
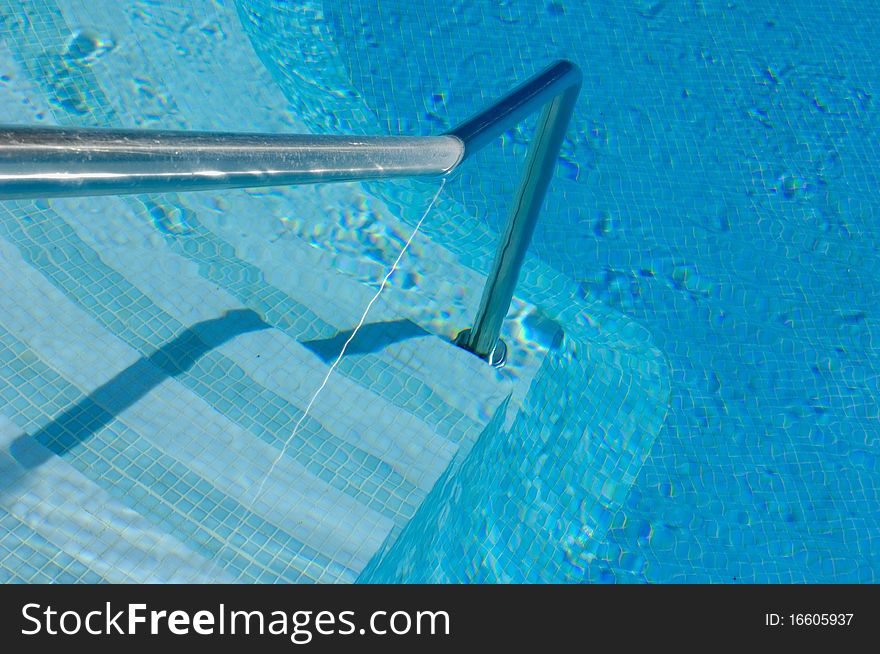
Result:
[
  {"x": 93, "y": 412},
  {"x": 371, "y": 337}
]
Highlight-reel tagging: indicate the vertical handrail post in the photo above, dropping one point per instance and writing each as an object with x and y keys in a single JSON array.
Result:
[{"x": 483, "y": 338}]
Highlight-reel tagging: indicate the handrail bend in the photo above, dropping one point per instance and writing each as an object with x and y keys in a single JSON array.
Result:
[{"x": 38, "y": 162}]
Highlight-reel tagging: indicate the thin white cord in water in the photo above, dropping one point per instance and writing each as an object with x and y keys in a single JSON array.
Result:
[{"x": 360, "y": 324}]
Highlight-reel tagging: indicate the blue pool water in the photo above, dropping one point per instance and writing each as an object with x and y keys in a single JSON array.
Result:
[{"x": 708, "y": 248}]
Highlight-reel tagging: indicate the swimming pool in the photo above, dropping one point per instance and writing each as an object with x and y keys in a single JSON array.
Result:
[{"x": 691, "y": 391}]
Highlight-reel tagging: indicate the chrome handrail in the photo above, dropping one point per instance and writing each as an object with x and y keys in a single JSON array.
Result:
[{"x": 39, "y": 162}]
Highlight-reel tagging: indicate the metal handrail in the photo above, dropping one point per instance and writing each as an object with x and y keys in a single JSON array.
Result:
[{"x": 39, "y": 162}]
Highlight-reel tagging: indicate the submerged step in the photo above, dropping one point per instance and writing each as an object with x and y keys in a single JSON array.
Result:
[
  {"x": 73, "y": 513},
  {"x": 86, "y": 343},
  {"x": 181, "y": 424},
  {"x": 289, "y": 363}
]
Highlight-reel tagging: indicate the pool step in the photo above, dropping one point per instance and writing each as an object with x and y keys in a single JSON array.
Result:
[
  {"x": 69, "y": 510},
  {"x": 335, "y": 529},
  {"x": 426, "y": 373},
  {"x": 291, "y": 365}
]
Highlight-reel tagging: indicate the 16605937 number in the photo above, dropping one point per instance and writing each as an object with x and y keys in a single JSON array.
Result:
[{"x": 820, "y": 619}]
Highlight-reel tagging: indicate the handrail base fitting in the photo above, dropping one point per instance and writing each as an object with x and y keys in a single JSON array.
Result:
[{"x": 497, "y": 356}]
